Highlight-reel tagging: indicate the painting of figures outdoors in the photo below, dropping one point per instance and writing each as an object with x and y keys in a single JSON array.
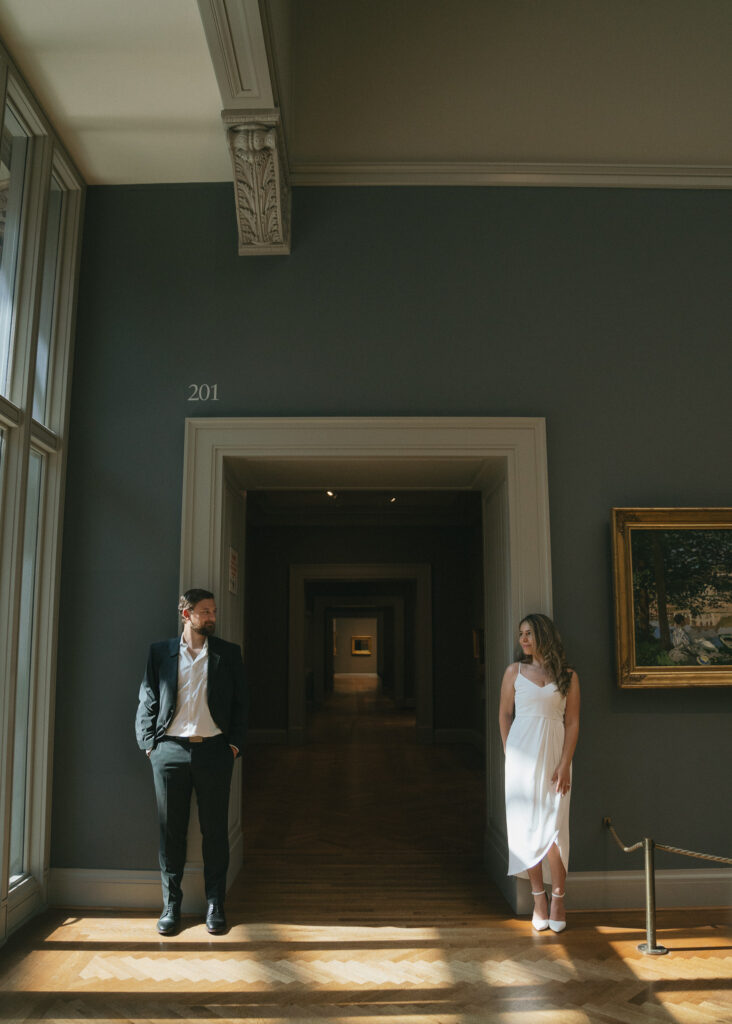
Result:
[{"x": 673, "y": 596}]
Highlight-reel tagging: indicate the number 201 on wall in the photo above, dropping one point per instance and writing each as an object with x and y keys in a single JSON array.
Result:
[{"x": 203, "y": 392}]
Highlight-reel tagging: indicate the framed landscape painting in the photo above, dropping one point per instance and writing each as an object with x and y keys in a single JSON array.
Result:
[{"x": 673, "y": 596}]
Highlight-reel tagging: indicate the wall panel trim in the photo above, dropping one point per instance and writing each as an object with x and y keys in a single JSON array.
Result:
[{"x": 590, "y": 890}]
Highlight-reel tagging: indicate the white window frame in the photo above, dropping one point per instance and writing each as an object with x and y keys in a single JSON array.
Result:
[{"x": 45, "y": 157}]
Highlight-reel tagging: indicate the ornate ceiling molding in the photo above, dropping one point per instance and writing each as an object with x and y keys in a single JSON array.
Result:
[
  {"x": 261, "y": 191},
  {"x": 532, "y": 174},
  {"x": 236, "y": 40}
]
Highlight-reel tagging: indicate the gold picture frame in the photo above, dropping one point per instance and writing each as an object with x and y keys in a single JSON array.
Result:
[
  {"x": 361, "y": 646},
  {"x": 672, "y": 573}
]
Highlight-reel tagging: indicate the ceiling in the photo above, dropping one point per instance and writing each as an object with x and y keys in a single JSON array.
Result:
[
  {"x": 372, "y": 91},
  {"x": 364, "y": 507},
  {"x": 129, "y": 87},
  {"x": 363, "y": 473}
]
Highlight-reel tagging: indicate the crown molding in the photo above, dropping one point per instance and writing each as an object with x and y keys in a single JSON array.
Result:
[{"x": 517, "y": 174}]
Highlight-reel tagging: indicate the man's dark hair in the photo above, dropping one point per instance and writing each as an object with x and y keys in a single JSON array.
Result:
[{"x": 191, "y": 597}]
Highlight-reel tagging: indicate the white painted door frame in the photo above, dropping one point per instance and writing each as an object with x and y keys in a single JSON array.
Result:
[
  {"x": 507, "y": 462},
  {"x": 512, "y": 450}
]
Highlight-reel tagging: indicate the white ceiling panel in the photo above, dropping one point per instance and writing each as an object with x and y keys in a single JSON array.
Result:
[{"x": 129, "y": 86}]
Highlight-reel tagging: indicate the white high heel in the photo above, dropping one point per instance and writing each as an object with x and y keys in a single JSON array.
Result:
[
  {"x": 557, "y": 926},
  {"x": 540, "y": 924}
]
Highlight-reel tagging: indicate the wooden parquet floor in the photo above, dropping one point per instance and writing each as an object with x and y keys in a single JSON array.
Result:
[{"x": 361, "y": 901}]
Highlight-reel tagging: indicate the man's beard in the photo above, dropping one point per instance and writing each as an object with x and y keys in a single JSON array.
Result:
[{"x": 207, "y": 629}]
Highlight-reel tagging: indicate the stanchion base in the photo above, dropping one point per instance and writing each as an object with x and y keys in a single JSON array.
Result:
[{"x": 655, "y": 951}]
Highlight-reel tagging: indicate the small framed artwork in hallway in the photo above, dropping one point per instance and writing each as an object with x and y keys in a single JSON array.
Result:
[{"x": 361, "y": 646}]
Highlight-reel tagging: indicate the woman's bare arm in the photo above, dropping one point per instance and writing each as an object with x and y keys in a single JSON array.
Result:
[
  {"x": 571, "y": 733},
  {"x": 506, "y": 706}
]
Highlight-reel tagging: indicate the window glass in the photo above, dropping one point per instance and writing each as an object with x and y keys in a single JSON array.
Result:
[
  {"x": 48, "y": 290},
  {"x": 28, "y": 595},
  {"x": 13, "y": 145}
]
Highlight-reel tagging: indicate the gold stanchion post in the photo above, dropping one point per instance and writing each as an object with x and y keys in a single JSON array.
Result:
[{"x": 649, "y": 947}]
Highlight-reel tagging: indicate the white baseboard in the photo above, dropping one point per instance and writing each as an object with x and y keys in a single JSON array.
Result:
[
  {"x": 90, "y": 887},
  {"x": 626, "y": 890},
  {"x": 133, "y": 890},
  {"x": 586, "y": 890},
  {"x": 609, "y": 890},
  {"x": 612, "y": 890}
]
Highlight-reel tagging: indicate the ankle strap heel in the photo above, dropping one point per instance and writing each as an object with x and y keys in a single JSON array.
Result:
[
  {"x": 539, "y": 924},
  {"x": 557, "y": 926}
]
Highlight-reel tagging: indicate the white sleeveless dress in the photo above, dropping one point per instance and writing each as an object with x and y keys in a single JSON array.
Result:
[{"x": 536, "y": 815}]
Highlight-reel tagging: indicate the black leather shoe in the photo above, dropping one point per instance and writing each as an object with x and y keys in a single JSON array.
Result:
[
  {"x": 169, "y": 922},
  {"x": 215, "y": 918}
]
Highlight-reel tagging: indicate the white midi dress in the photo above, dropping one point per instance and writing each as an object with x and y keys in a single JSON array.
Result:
[{"x": 536, "y": 815}]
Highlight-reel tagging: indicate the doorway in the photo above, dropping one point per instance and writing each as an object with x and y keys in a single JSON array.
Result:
[{"x": 503, "y": 459}]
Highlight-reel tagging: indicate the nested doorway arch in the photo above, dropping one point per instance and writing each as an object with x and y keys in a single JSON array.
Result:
[
  {"x": 323, "y": 607},
  {"x": 420, "y": 574}
]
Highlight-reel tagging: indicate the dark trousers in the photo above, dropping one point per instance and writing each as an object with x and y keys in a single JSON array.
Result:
[{"x": 179, "y": 767}]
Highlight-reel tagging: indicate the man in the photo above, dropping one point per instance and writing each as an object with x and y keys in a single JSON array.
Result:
[{"x": 191, "y": 722}]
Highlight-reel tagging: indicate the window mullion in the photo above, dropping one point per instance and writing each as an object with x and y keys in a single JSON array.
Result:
[
  {"x": 58, "y": 416},
  {"x": 64, "y": 303},
  {"x": 10, "y": 415},
  {"x": 43, "y": 438}
]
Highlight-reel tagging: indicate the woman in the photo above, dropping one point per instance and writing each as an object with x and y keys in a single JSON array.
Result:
[{"x": 539, "y": 720}]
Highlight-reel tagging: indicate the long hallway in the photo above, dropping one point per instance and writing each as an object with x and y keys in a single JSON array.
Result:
[{"x": 363, "y": 811}]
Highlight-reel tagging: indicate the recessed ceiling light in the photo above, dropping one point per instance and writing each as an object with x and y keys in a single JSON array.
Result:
[
  {"x": 331, "y": 494},
  {"x": 392, "y": 500}
]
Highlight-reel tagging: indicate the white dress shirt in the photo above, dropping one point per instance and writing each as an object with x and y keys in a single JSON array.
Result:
[{"x": 192, "y": 716}]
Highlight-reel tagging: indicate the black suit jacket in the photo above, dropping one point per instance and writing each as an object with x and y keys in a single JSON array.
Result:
[{"x": 227, "y": 692}]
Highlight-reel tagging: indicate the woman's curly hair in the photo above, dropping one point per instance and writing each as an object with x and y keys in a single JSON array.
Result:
[{"x": 549, "y": 648}]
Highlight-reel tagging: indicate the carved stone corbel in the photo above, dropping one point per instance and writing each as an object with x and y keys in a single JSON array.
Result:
[{"x": 261, "y": 191}]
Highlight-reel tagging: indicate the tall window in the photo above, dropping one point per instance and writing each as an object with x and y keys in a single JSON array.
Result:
[
  {"x": 12, "y": 179},
  {"x": 40, "y": 207},
  {"x": 23, "y": 689}
]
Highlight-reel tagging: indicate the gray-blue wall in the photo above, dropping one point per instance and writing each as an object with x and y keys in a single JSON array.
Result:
[{"x": 605, "y": 311}]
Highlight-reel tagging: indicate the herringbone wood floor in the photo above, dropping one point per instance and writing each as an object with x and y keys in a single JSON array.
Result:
[{"x": 362, "y": 901}]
